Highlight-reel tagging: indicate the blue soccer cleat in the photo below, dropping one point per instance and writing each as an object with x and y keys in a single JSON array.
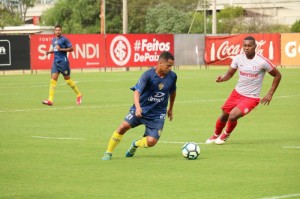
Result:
[{"x": 131, "y": 151}]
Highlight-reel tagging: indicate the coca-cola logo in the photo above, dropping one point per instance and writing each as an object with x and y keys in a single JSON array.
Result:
[{"x": 227, "y": 50}]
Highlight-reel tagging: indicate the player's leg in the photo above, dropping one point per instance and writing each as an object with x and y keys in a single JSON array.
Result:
[
  {"x": 129, "y": 122},
  {"x": 145, "y": 142},
  {"x": 234, "y": 115},
  {"x": 115, "y": 139},
  {"x": 152, "y": 134},
  {"x": 53, "y": 83},
  {"x": 66, "y": 71},
  {"x": 244, "y": 107},
  {"x": 229, "y": 104},
  {"x": 220, "y": 124},
  {"x": 72, "y": 84}
]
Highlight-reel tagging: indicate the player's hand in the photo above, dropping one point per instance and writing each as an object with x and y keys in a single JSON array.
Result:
[
  {"x": 170, "y": 115},
  {"x": 219, "y": 79},
  {"x": 266, "y": 100},
  {"x": 57, "y": 47},
  {"x": 138, "y": 112}
]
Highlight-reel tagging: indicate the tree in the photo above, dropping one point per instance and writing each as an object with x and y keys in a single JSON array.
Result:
[
  {"x": 228, "y": 18},
  {"x": 14, "y": 12},
  {"x": 71, "y": 14},
  {"x": 113, "y": 22},
  {"x": 137, "y": 14},
  {"x": 76, "y": 16},
  {"x": 8, "y": 18},
  {"x": 139, "y": 8},
  {"x": 296, "y": 26},
  {"x": 161, "y": 19},
  {"x": 24, "y": 5},
  {"x": 202, "y": 22}
]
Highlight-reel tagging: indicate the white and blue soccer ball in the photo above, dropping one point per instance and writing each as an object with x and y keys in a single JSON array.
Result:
[{"x": 191, "y": 150}]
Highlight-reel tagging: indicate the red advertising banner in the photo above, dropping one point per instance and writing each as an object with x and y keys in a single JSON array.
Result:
[
  {"x": 220, "y": 50},
  {"x": 136, "y": 49},
  {"x": 89, "y": 51},
  {"x": 290, "y": 49}
]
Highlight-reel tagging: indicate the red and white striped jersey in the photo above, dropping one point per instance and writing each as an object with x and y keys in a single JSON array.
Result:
[{"x": 251, "y": 73}]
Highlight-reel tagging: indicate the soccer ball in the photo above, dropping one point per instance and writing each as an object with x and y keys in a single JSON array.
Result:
[{"x": 191, "y": 150}]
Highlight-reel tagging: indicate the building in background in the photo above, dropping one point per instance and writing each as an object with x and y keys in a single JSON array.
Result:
[
  {"x": 284, "y": 12},
  {"x": 32, "y": 19}
]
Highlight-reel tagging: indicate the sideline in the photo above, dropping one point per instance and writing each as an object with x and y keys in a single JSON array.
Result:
[
  {"x": 57, "y": 138},
  {"x": 283, "y": 196}
]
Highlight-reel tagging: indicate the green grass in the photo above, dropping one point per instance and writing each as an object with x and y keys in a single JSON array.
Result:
[{"x": 261, "y": 158}]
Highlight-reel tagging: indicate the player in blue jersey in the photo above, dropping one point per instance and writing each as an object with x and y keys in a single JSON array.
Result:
[
  {"x": 151, "y": 95},
  {"x": 61, "y": 45}
]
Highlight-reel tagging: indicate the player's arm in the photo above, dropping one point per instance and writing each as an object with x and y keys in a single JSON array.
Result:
[
  {"x": 69, "y": 49},
  {"x": 277, "y": 77},
  {"x": 170, "y": 110},
  {"x": 49, "y": 52},
  {"x": 228, "y": 75},
  {"x": 136, "y": 98}
]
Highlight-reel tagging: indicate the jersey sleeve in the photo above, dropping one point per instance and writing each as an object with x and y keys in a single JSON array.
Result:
[
  {"x": 268, "y": 66},
  {"x": 141, "y": 84},
  {"x": 68, "y": 43},
  {"x": 234, "y": 63},
  {"x": 173, "y": 88}
]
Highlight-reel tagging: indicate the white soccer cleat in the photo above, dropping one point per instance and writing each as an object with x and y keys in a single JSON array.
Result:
[
  {"x": 222, "y": 138},
  {"x": 212, "y": 139}
]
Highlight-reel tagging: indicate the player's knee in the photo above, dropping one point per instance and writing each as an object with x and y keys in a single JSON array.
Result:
[
  {"x": 234, "y": 117},
  {"x": 151, "y": 141},
  {"x": 123, "y": 128}
]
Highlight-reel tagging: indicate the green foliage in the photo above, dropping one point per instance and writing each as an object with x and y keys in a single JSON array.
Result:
[
  {"x": 198, "y": 24},
  {"x": 83, "y": 16},
  {"x": 9, "y": 18},
  {"x": 76, "y": 16},
  {"x": 296, "y": 26},
  {"x": 161, "y": 19},
  {"x": 228, "y": 18},
  {"x": 278, "y": 28},
  {"x": 13, "y": 12},
  {"x": 113, "y": 22},
  {"x": 137, "y": 17}
]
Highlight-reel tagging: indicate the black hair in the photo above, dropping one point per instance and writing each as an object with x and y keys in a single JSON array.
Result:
[
  {"x": 166, "y": 55},
  {"x": 250, "y": 38},
  {"x": 58, "y": 26}
]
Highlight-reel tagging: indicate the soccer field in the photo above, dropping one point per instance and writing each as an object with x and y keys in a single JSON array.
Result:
[{"x": 55, "y": 152}]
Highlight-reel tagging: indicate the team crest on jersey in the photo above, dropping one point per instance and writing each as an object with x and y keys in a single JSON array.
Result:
[{"x": 160, "y": 86}]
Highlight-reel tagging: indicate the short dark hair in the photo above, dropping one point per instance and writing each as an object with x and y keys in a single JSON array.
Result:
[
  {"x": 166, "y": 55},
  {"x": 250, "y": 38},
  {"x": 58, "y": 26}
]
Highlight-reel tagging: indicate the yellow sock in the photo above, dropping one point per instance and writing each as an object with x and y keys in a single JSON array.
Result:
[
  {"x": 72, "y": 84},
  {"x": 114, "y": 141},
  {"x": 52, "y": 89},
  {"x": 142, "y": 143}
]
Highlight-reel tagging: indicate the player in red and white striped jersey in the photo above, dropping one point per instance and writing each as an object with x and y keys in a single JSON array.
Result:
[{"x": 245, "y": 97}]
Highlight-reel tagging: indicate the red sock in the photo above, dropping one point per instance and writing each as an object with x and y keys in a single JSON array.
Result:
[
  {"x": 219, "y": 127},
  {"x": 230, "y": 126}
]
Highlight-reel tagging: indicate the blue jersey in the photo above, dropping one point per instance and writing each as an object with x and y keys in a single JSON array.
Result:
[
  {"x": 154, "y": 93},
  {"x": 63, "y": 42}
]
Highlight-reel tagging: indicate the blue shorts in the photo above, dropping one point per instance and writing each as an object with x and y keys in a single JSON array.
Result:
[
  {"x": 62, "y": 67},
  {"x": 154, "y": 127}
]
